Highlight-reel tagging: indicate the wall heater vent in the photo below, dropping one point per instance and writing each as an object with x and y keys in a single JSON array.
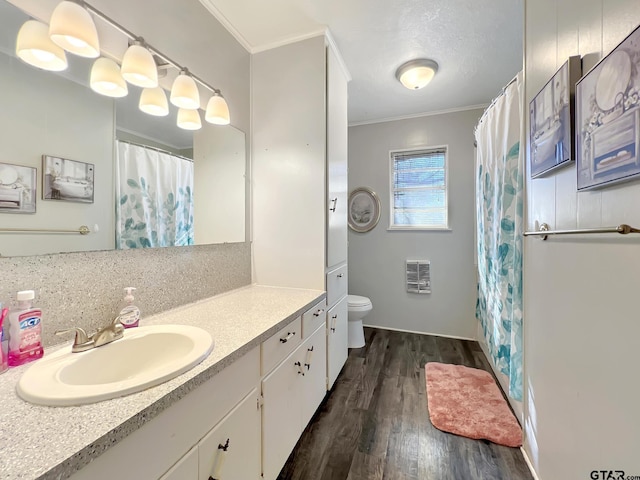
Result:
[{"x": 418, "y": 276}]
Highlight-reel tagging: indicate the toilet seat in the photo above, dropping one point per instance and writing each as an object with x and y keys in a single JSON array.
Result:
[{"x": 358, "y": 301}]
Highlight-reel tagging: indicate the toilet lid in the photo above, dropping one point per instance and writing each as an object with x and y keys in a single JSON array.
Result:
[{"x": 358, "y": 301}]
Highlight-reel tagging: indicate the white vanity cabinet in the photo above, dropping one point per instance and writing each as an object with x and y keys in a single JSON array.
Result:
[
  {"x": 185, "y": 469},
  {"x": 231, "y": 451},
  {"x": 291, "y": 393},
  {"x": 337, "y": 339}
]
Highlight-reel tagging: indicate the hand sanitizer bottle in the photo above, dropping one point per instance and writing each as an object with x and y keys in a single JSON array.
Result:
[
  {"x": 25, "y": 331},
  {"x": 130, "y": 314}
]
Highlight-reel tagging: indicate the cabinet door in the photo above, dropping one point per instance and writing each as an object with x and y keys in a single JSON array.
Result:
[
  {"x": 231, "y": 451},
  {"x": 281, "y": 414},
  {"x": 337, "y": 340},
  {"x": 336, "y": 161},
  {"x": 185, "y": 469},
  {"x": 314, "y": 352}
]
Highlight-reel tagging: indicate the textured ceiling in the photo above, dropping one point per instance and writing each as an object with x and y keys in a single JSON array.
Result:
[{"x": 477, "y": 43}]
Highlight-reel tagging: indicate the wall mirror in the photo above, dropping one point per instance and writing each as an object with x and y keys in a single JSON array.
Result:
[{"x": 84, "y": 134}]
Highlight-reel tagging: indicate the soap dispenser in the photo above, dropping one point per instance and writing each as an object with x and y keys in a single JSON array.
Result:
[{"x": 130, "y": 314}]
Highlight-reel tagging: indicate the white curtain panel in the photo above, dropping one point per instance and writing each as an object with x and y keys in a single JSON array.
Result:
[{"x": 154, "y": 198}]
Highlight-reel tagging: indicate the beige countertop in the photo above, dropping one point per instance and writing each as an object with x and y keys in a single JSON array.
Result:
[{"x": 53, "y": 442}]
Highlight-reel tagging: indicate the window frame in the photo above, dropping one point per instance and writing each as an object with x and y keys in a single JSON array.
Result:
[{"x": 392, "y": 226}]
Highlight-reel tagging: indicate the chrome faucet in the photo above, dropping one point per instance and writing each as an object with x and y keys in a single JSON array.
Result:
[{"x": 83, "y": 342}]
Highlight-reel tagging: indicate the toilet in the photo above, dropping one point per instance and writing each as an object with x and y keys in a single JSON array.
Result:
[{"x": 359, "y": 307}]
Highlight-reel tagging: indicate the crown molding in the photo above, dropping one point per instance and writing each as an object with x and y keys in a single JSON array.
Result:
[{"x": 420, "y": 115}]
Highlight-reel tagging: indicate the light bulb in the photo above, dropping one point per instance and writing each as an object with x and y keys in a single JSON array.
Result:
[
  {"x": 139, "y": 68},
  {"x": 217, "y": 110},
  {"x": 189, "y": 119},
  {"x": 73, "y": 29},
  {"x": 184, "y": 92},
  {"x": 106, "y": 78},
  {"x": 34, "y": 47},
  {"x": 154, "y": 102}
]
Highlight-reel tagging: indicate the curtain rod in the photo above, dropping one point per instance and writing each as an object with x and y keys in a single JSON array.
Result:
[{"x": 156, "y": 149}]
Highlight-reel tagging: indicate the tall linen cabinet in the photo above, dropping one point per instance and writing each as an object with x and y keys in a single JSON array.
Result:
[{"x": 299, "y": 178}]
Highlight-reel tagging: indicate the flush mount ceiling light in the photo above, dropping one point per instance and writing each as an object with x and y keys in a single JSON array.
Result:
[
  {"x": 72, "y": 28},
  {"x": 184, "y": 92},
  {"x": 416, "y": 74},
  {"x": 106, "y": 78},
  {"x": 217, "y": 110},
  {"x": 154, "y": 102},
  {"x": 36, "y": 48},
  {"x": 138, "y": 66},
  {"x": 189, "y": 119}
]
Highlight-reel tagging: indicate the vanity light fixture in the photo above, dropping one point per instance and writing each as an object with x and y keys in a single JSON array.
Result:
[
  {"x": 189, "y": 119},
  {"x": 416, "y": 74},
  {"x": 217, "y": 110},
  {"x": 106, "y": 78},
  {"x": 36, "y": 48},
  {"x": 138, "y": 66},
  {"x": 154, "y": 102},
  {"x": 184, "y": 92},
  {"x": 73, "y": 29}
]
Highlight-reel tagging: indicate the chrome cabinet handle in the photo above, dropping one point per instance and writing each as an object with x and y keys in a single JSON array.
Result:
[
  {"x": 220, "y": 458},
  {"x": 334, "y": 201},
  {"x": 333, "y": 327},
  {"x": 319, "y": 312},
  {"x": 288, "y": 337},
  {"x": 340, "y": 275},
  {"x": 309, "y": 355}
]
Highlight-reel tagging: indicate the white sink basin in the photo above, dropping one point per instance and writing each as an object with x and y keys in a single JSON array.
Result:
[{"x": 145, "y": 357}]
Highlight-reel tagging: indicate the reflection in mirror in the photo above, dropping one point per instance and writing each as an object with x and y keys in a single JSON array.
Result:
[{"x": 57, "y": 114}]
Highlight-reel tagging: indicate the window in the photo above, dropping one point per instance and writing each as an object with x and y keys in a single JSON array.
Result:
[{"x": 419, "y": 189}]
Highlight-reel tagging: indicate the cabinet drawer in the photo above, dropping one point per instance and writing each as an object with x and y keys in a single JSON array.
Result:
[
  {"x": 231, "y": 451},
  {"x": 313, "y": 318},
  {"x": 336, "y": 285},
  {"x": 281, "y": 344}
]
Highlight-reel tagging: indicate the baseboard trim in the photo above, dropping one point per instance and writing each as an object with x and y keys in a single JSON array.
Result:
[
  {"x": 420, "y": 333},
  {"x": 529, "y": 464}
]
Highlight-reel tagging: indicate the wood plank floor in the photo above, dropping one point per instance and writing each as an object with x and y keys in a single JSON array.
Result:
[{"x": 375, "y": 425}]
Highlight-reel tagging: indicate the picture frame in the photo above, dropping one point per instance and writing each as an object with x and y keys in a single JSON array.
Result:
[
  {"x": 363, "y": 210},
  {"x": 18, "y": 185},
  {"x": 608, "y": 118},
  {"x": 551, "y": 121},
  {"x": 67, "y": 180}
]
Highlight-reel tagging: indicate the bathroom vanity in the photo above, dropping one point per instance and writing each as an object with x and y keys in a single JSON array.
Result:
[{"x": 237, "y": 415}]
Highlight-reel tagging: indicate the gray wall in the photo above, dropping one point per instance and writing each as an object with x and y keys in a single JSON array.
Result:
[
  {"x": 581, "y": 325},
  {"x": 84, "y": 289},
  {"x": 377, "y": 258}
]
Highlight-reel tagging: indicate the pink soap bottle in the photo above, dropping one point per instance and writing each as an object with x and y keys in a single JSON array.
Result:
[{"x": 25, "y": 331}]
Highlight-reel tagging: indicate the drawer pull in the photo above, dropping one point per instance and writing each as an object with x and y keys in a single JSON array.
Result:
[
  {"x": 319, "y": 312},
  {"x": 334, "y": 201},
  {"x": 288, "y": 337},
  {"x": 220, "y": 458},
  {"x": 340, "y": 275},
  {"x": 333, "y": 324},
  {"x": 300, "y": 369},
  {"x": 309, "y": 355}
]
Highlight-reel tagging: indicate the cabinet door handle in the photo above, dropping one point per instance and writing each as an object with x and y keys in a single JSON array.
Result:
[
  {"x": 340, "y": 275},
  {"x": 334, "y": 201},
  {"x": 309, "y": 355},
  {"x": 319, "y": 312},
  {"x": 219, "y": 462},
  {"x": 288, "y": 337},
  {"x": 300, "y": 369},
  {"x": 333, "y": 323}
]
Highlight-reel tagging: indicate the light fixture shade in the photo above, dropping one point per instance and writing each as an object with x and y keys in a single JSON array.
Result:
[
  {"x": 184, "y": 92},
  {"x": 106, "y": 78},
  {"x": 189, "y": 119},
  {"x": 154, "y": 102},
  {"x": 34, "y": 47},
  {"x": 139, "y": 68},
  {"x": 416, "y": 74},
  {"x": 217, "y": 110},
  {"x": 72, "y": 28}
]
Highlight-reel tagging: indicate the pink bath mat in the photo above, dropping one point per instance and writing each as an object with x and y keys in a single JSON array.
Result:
[{"x": 466, "y": 401}]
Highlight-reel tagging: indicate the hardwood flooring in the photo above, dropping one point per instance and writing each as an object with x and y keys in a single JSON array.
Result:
[{"x": 374, "y": 424}]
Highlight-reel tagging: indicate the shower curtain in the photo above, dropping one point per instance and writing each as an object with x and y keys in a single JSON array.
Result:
[
  {"x": 154, "y": 198},
  {"x": 499, "y": 214}
]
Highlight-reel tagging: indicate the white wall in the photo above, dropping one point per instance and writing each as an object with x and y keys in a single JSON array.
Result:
[
  {"x": 581, "y": 293},
  {"x": 377, "y": 258}
]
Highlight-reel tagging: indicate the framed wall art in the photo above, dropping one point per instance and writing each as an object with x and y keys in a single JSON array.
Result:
[
  {"x": 17, "y": 189},
  {"x": 551, "y": 115},
  {"x": 608, "y": 118},
  {"x": 363, "y": 209},
  {"x": 68, "y": 180}
]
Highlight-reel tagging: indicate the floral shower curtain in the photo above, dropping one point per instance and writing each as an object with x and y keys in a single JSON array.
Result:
[
  {"x": 499, "y": 213},
  {"x": 154, "y": 198}
]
